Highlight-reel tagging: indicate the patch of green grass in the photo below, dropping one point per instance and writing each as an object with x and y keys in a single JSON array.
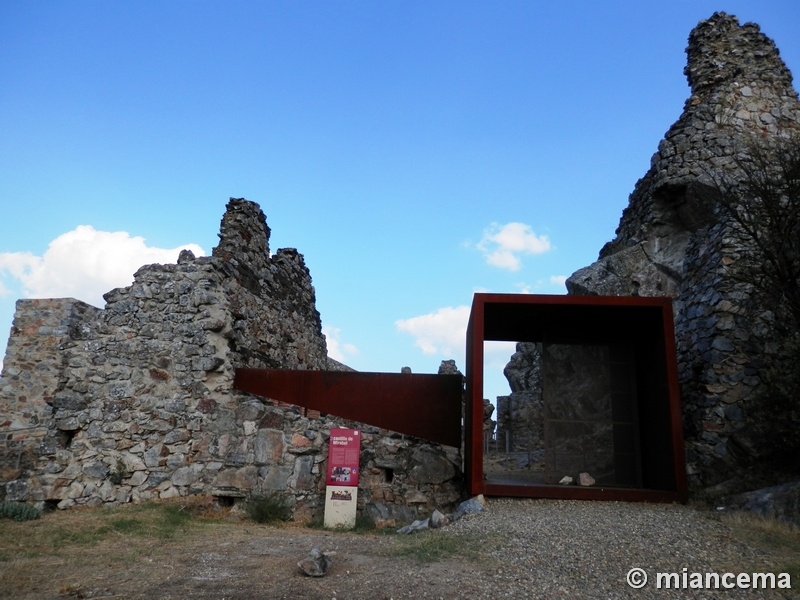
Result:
[
  {"x": 317, "y": 523},
  {"x": 6, "y": 556},
  {"x": 19, "y": 511},
  {"x": 363, "y": 525},
  {"x": 160, "y": 521},
  {"x": 133, "y": 526},
  {"x": 434, "y": 546},
  {"x": 119, "y": 473},
  {"x": 86, "y": 536},
  {"x": 174, "y": 517},
  {"x": 268, "y": 508}
]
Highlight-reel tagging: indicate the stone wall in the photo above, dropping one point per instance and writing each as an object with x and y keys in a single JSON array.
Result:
[
  {"x": 671, "y": 241},
  {"x": 136, "y": 402},
  {"x": 520, "y": 416}
]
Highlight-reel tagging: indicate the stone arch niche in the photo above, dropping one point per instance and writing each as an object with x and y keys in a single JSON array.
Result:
[{"x": 609, "y": 402}]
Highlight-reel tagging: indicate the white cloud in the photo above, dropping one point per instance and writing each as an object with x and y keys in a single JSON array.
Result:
[
  {"x": 523, "y": 288},
  {"x": 336, "y": 349},
  {"x": 85, "y": 263},
  {"x": 495, "y": 358},
  {"x": 443, "y": 332},
  {"x": 502, "y": 245},
  {"x": 498, "y": 352},
  {"x": 558, "y": 279}
]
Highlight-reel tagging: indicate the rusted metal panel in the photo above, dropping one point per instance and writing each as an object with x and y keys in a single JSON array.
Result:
[
  {"x": 673, "y": 390},
  {"x": 425, "y": 406},
  {"x": 473, "y": 425}
]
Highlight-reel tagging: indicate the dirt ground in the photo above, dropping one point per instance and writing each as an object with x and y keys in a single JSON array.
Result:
[
  {"x": 177, "y": 552},
  {"x": 132, "y": 554},
  {"x": 235, "y": 562}
]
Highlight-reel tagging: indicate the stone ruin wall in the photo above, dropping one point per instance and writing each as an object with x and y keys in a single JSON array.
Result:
[
  {"x": 520, "y": 415},
  {"x": 135, "y": 402},
  {"x": 670, "y": 243}
]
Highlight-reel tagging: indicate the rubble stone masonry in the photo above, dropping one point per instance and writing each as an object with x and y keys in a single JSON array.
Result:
[
  {"x": 671, "y": 243},
  {"x": 135, "y": 401}
]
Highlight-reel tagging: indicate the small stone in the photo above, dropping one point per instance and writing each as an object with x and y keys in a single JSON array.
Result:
[
  {"x": 96, "y": 469},
  {"x": 301, "y": 441},
  {"x": 585, "y": 479},
  {"x": 416, "y": 497},
  {"x": 185, "y": 256},
  {"x": 430, "y": 467},
  {"x": 170, "y": 492},
  {"x": 68, "y": 424},
  {"x": 415, "y": 526},
  {"x": 138, "y": 478},
  {"x": 17, "y": 491},
  {"x": 723, "y": 344},
  {"x": 566, "y": 480},
  {"x": 469, "y": 506},
  {"x": 317, "y": 563},
  {"x": 186, "y": 475},
  {"x": 438, "y": 520},
  {"x": 716, "y": 388}
]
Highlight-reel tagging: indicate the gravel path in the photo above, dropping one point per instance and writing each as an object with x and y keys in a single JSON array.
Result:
[
  {"x": 515, "y": 549},
  {"x": 552, "y": 548}
]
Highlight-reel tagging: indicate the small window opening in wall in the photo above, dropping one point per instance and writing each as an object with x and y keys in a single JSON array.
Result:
[
  {"x": 389, "y": 475},
  {"x": 225, "y": 501}
]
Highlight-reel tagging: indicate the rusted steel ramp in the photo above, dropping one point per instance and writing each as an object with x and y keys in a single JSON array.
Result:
[{"x": 425, "y": 406}]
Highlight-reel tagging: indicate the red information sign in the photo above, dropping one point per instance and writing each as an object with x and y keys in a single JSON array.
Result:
[{"x": 343, "y": 455}]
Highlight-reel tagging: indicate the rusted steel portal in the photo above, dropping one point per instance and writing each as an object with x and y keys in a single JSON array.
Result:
[
  {"x": 425, "y": 406},
  {"x": 651, "y": 431}
]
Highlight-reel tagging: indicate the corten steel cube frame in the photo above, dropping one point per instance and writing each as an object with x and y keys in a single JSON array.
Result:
[{"x": 644, "y": 323}]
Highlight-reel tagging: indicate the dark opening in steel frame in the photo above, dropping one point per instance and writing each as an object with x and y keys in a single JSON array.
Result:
[{"x": 644, "y": 323}]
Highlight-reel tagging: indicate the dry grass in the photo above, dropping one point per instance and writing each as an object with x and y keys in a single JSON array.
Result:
[
  {"x": 9, "y": 473},
  {"x": 774, "y": 537},
  {"x": 63, "y": 549}
]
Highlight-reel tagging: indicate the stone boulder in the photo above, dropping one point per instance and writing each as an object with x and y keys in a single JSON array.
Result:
[
  {"x": 779, "y": 502},
  {"x": 672, "y": 240}
]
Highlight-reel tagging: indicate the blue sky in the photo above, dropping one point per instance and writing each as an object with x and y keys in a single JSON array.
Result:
[{"x": 414, "y": 152}]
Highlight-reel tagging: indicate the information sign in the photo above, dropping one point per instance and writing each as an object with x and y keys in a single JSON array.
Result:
[
  {"x": 341, "y": 493},
  {"x": 343, "y": 457}
]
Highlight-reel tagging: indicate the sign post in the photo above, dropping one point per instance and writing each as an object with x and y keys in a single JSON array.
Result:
[{"x": 341, "y": 491}]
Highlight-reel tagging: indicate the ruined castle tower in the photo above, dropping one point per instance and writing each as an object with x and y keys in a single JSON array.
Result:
[
  {"x": 136, "y": 402},
  {"x": 670, "y": 242}
]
